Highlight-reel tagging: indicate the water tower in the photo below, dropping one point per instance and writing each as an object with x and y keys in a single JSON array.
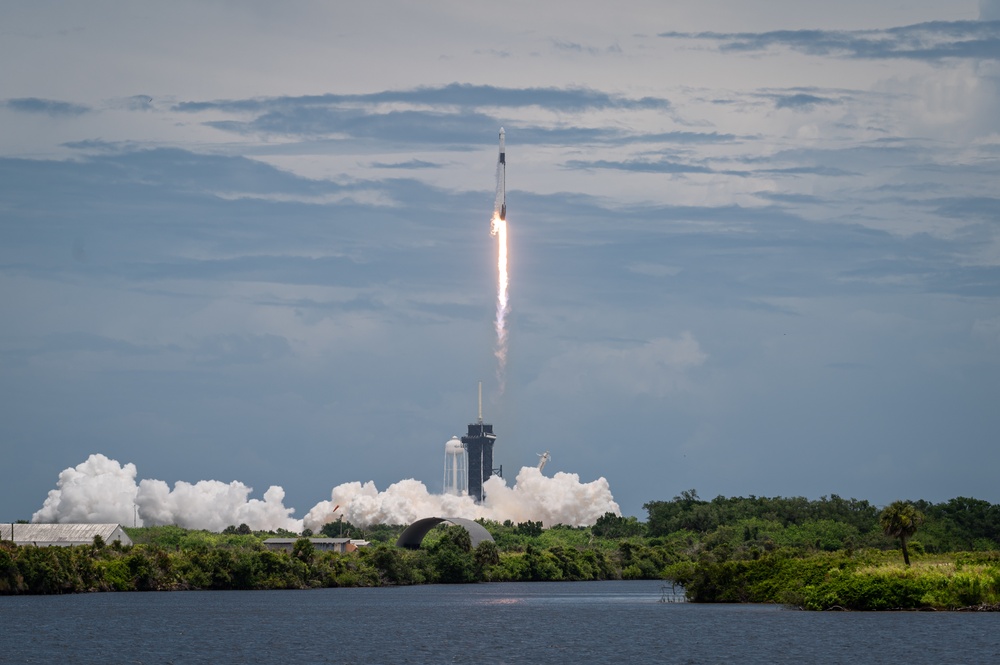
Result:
[{"x": 456, "y": 468}]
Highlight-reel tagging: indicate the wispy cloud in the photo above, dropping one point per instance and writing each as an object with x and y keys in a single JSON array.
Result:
[
  {"x": 637, "y": 165},
  {"x": 410, "y": 164},
  {"x": 800, "y": 100},
  {"x": 979, "y": 40},
  {"x": 463, "y": 95},
  {"x": 576, "y": 47},
  {"x": 51, "y": 107}
]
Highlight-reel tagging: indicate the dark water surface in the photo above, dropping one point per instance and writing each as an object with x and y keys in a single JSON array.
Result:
[{"x": 570, "y": 622}]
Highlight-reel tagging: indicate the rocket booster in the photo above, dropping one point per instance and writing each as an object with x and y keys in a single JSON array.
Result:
[{"x": 502, "y": 175}]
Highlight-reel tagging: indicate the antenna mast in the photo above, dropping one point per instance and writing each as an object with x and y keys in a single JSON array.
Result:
[{"x": 480, "y": 401}]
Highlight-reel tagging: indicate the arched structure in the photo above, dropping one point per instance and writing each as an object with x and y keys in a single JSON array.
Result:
[{"x": 414, "y": 534}]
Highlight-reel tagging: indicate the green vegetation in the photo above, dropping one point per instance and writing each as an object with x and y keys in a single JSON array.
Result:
[
  {"x": 832, "y": 553},
  {"x": 822, "y": 554},
  {"x": 901, "y": 520}
]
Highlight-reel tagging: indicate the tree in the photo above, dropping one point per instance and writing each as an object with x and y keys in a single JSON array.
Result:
[
  {"x": 612, "y": 526},
  {"x": 485, "y": 556},
  {"x": 303, "y": 550},
  {"x": 453, "y": 558},
  {"x": 901, "y": 520}
]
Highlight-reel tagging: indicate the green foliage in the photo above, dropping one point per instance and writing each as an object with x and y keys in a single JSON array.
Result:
[
  {"x": 687, "y": 512},
  {"x": 241, "y": 530},
  {"x": 303, "y": 550},
  {"x": 452, "y": 557},
  {"x": 486, "y": 557},
  {"x": 610, "y": 525},
  {"x": 816, "y": 554},
  {"x": 397, "y": 566},
  {"x": 901, "y": 519},
  {"x": 340, "y": 529}
]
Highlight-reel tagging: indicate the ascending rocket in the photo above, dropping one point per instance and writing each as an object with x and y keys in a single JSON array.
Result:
[{"x": 502, "y": 175}]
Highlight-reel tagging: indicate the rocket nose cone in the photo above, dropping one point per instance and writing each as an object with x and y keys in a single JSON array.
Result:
[{"x": 501, "y": 131}]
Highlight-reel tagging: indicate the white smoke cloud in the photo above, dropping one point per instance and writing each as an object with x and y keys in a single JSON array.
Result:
[
  {"x": 560, "y": 499},
  {"x": 214, "y": 505},
  {"x": 99, "y": 490},
  {"x": 103, "y": 490}
]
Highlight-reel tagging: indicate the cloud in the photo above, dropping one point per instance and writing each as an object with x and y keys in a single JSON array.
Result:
[
  {"x": 931, "y": 41},
  {"x": 641, "y": 166},
  {"x": 447, "y": 116},
  {"x": 242, "y": 349},
  {"x": 657, "y": 367},
  {"x": 95, "y": 491},
  {"x": 557, "y": 499},
  {"x": 575, "y": 47},
  {"x": 49, "y": 107},
  {"x": 410, "y": 164},
  {"x": 829, "y": 171},
  {"x": 138, "y": 103},
  {"x": 800, "y": 101},
  {"x": 102, "y": 490},
  {"x": 461, "y": 95}
]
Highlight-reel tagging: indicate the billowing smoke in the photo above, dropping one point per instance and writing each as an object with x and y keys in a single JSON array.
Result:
[
  {"x": 102, "y": 490},
  {"x": 561, "y": 499},
  {"x": 214, "y": 505},
  {"x": 97, "y": 491}
]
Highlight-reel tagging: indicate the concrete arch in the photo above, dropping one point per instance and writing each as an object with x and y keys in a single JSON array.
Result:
[{"x": 414, "y": 534}]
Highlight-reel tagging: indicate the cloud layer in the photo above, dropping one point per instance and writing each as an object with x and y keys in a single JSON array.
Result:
[{"x": 748, "y": 241}]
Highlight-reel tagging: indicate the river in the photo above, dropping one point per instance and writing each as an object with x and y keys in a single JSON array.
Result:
[{"x": 540, "y": 622}]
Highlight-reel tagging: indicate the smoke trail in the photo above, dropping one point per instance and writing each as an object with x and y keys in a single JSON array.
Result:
[
  {"x": 102, "y": 490},
  {"x": 498, "y": 228}
]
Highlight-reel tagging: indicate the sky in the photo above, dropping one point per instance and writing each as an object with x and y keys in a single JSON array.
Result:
[{"x": 754, "y": 246}]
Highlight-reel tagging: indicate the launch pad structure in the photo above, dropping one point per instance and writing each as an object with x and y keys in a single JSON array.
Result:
[{"x": 478, "y": 444}]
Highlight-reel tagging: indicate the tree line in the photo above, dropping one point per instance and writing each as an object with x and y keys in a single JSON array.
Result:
[
  {"x": 761, "y": 549},
  {"x": 740, "y": 526}
]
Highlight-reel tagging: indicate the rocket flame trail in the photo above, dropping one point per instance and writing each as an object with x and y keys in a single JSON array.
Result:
[{"x": 498, "y": 228}]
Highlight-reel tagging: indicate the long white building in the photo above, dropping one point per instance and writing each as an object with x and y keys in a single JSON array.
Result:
[{"x": 62, "y": 535}]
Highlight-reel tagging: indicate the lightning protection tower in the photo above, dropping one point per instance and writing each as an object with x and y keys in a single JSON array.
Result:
[{"x": 478, "y": 445}]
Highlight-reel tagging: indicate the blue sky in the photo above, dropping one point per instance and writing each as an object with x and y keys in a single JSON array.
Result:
[{"x": 753, "y": 245}]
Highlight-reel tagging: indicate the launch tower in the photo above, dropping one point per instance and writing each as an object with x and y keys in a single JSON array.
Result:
[{"x": 478, "y": 445}]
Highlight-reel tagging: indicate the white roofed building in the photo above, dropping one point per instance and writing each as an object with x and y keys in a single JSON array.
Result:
[
  {"x": 62, "y": 535},
  {"x": 341, "y": 545}
]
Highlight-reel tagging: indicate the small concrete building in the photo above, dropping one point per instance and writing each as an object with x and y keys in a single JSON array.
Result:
[
  {"x": 320, "y": 544},
  {"x": 62, "y": 535}
]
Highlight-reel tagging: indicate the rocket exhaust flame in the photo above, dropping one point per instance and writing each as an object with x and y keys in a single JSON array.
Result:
[{"x": 498, "y": 228}]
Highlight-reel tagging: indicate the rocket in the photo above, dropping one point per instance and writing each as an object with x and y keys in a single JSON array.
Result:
[{"x": 502, "y": 174}]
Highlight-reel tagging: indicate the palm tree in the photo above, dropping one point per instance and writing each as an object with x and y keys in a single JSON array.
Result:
[{"x": 900, "y": 520}]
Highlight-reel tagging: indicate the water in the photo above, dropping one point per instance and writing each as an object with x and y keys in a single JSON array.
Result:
[{"x": 570, "y": 622}]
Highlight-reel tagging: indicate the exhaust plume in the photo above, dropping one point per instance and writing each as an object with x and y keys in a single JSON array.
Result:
[
  {"x": 498, "y": 228},
  {"x": 103, "y": 490},
  {"x": 561, "y": 499}
]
